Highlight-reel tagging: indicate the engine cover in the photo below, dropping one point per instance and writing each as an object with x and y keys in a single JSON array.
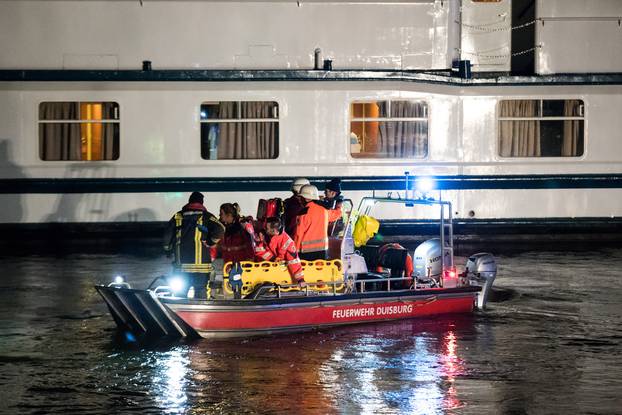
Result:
[
  {"x": 482, "y": 265},
  {"x": 427, "y": 260}
]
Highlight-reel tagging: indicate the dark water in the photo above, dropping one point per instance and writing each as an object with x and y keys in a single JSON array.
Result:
[{"x": 552, "y": 346}]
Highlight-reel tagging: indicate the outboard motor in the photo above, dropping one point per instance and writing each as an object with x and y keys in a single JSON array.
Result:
[
  {"x": 427, "y": 260},
  {"x": 481, "y": 270}
]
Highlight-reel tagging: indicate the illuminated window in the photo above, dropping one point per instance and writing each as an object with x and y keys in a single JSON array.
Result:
[
  {"x": 541, "y": 128},
  {"x": 389, "y": 129},
  {"x": 239, "y": 130},
  {"x": 80, "y": 131}
]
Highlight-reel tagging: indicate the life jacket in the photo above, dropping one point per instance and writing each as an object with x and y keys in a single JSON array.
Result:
[
  {"x": 282, "y": 248},
  {"x": 311, "y": 228},
  {"x": 237, "y": 244}
]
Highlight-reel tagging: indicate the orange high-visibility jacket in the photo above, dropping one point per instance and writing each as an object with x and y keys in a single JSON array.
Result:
[{"x": 311, "y": 228}]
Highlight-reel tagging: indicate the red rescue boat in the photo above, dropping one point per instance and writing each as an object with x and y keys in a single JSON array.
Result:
[
  {"x": 149, "y": 316},
  {"x": 339, "y": 292}
]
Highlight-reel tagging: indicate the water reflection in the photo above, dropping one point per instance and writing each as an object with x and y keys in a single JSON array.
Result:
[
  {"x": 452, "y": 368},
  {"x": 265, "y": 375},
  {"x": 365, "y": 382},
  {"x": 388, "y": 371},
  {"x": 552, "y": 348},
  {"x": 172, "y": 377}
]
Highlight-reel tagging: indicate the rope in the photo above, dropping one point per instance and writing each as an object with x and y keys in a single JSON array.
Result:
[
  {"x": 484, "y": 27},
  {"x": 507, "y": 55}
]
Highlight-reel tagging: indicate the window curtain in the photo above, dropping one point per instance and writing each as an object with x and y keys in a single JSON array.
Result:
[
  {"x": 519, "y": 138},
  {"x": 63, "y": 140},
  {"x": 403, "y": 139},
  {"x": 572, "y": 129},
  {"x": 248, "y": 140},
  {"x": 58, "y": 140},
  {"x": 110, "y": 132}
]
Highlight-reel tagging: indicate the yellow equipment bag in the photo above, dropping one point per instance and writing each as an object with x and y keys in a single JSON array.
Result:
[{"x": 364, "y": 229}]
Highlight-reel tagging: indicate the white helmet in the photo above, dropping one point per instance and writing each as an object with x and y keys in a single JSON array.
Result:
[
  {"x": 308, "y": 191},
  {"x": 298, "y": 183}
]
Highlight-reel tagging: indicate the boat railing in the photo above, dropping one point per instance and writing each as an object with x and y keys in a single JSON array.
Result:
[
  {"x": 388, "y": 281},
  {"x": 280, "y": 288}
]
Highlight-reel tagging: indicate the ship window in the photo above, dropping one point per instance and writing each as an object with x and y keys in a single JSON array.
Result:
[
  {"x": 389, "y": 129},
  {"x": 541, "y": 128},
  {"x": 239, "y": 130},
  {"x": 80, "y": 131}
]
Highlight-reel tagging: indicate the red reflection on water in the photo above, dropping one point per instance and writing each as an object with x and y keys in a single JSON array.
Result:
[{"x": 451, "y": 368}]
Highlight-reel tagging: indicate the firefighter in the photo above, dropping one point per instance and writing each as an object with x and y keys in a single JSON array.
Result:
[
  {"x": 294, "y": 205},
  {"x": 191, "y": 245},
  {"x": 282, "y": 248},
  {"x": 311, "y": 235}
]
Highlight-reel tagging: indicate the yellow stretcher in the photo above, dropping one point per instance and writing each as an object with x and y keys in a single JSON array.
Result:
[{"x": 257, "y": 273}]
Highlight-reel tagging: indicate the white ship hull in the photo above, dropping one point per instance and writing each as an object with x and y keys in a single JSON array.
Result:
[{"x": 160, "y": 159}]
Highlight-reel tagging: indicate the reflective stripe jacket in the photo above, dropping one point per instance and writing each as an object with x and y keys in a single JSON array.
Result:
[
  {"x": 262, "y": 252},
  {"x": 190, "y": 244},
  {"x": 282, "y": 248},
  {"x": 311, "y": 228}
]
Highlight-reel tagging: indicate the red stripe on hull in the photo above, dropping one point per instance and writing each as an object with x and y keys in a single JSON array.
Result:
[{"x": 321, "y": 315}]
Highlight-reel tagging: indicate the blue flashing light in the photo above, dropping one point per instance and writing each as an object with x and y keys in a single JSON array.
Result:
[
  {"x": 425, "y": 184},
  {"x": 119, "y": 279}
]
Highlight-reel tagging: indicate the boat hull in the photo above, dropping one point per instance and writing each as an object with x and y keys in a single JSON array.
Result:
[{"x": 235, "y": 319}]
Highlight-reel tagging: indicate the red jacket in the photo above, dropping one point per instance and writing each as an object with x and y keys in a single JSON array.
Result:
[
  {"x": 282, "y": 248},
  {"x": 311, "y": 229},
  {"x": 237, "y": 244}
]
